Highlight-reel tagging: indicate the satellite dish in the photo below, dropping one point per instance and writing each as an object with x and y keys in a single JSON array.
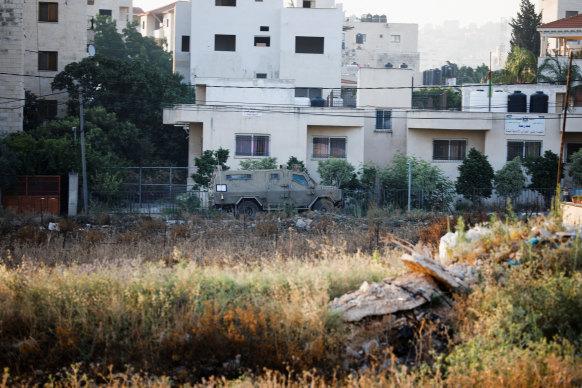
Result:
[{"x": 91, "y": 50}]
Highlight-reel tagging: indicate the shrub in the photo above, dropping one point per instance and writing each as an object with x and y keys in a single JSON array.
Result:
[
  {"x": 335, "y": 171},
  {"x": 268, "y": 163},
  {"x": 509, "y": 181},
  {"x": 475, "y": 173},
  {"x": 207, "y": 163}
]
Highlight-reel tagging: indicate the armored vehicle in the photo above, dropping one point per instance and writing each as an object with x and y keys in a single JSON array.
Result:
[{"x": 249, "y": 191}]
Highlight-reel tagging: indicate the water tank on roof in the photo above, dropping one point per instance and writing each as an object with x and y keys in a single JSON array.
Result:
[
  {"x": 317, "y": 101},
  {"x": 376, "y": 18},
  {"x": 517, "y": 102},
  {"x": 403, "y": 66},
  {"x": 389, "y": 65},
  {"x": 499, "y": 101},
  {"x": 478, "y": 101},
  {"x": 369, "y": 17},
  {"x": 383, "y": 19},
  {"x": 538, "y": 103}
]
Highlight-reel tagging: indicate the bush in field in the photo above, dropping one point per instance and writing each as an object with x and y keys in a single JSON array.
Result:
[
  {"x": 510, "y": 180},
  {"x": 575, "y": 170},
  {"x": 438, "y": 189},
  {"x": 269, "y": 163},
  {"x": 335, "y": 171},
  {"x": 207, "y": 163},
  {"x": 475, "y": 173}
]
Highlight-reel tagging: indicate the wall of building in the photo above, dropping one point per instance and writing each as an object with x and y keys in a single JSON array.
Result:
[
  {"x": 396, "y": 84},
  {"x": 248, "y": 92},
  {"x": 311, "y": 70},
  {"x": 420, "y": 144},
  {"x": 12, "y": 62},
  {"x": 381, "y": 46},
  {"x": 181, "y": 27},
  {"x": 380, "y": 147},
  {"x": 244, "y": 21},
  {"x": 556, "y": 9},
  {"x": 68, "y": 37}
]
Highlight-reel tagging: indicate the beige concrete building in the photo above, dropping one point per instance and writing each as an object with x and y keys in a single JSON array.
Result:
[
  {"x": 11, "y": 65},
  {"x": 52, "y": 35},
  {"x": 170, "y": 26}
]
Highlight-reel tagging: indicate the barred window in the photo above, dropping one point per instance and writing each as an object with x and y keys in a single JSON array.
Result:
[
  {"x": 329, "y": 147},
  {"x": 449, "y": 149},
  {"x": 523, "y": 149},
  {"x": 252, "y": 145},
  {"x": 383, "y": 119}
]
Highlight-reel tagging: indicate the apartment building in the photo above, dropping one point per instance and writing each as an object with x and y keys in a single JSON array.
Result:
[
  {"x": 170, "y": 27},
  {"x": 374, "y": 41},
  {"x": 52, "y": 35},
  {"x": 558, "y": 9}
]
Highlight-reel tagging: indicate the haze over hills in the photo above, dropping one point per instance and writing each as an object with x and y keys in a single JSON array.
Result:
[{"x": 467, "y": 45}]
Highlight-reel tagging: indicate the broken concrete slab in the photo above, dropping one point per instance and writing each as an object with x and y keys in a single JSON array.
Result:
[
  {"x": 406, "y": 292},
  {"x": 423, "y": 264}
]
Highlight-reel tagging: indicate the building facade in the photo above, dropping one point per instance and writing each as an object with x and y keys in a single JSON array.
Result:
[
  {"x": 170, "y": 27},
  {"x": 371, "y": 41},
  {"x": 53, "y": 34},
  {"x": 558, "y": 9}
]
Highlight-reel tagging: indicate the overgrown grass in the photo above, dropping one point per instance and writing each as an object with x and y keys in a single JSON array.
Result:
[{"x": 227, "y": 304}]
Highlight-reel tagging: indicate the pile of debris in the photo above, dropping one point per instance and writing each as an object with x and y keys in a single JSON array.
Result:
[{"x": 400, "y": 313}]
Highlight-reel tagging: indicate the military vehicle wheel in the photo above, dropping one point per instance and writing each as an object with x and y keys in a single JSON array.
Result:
[
  {"x": 247, "y": 208},
  {"x": 323, "y": 205}
]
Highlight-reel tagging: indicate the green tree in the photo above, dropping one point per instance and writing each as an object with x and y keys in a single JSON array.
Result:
[
  {"x": 206, "y": 164},
  {"x": 434, "y": 98},
  {"x": 521, "y": 66},
  {"x": 524, "y": 33},
  {"x": 9, "y": 165},
  {"x": 133, "y": 88},
  {"x": 543, "y": 171},
  {"x": 269, "y": 163},
  {"x": 510, "y": 180},
  {"x": 437, "y": 188},
  {"x": 293, "y": 161},
  {"x": 335, "y": 171},
  {"x": 475, "y": 173},
  {"x": 554, "y": 71},
  {"x": 575, "y": 170}
]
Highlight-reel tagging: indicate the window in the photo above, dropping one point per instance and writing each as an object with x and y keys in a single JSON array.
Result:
[
  {"x": 48, "y": 108},
  {"x": 261, "y": 75},
  {"x": 571, "y": 149},
  {"x": 395, "y": 38},
  {"x": 238, "y": 177},
  {"x": 264, "y": 28},
  {"x": 167, "y": 22},
  {"x": 308, "y": 92},
  {"x": 383, "y": 119},
  {"x": 523, "y": 149},
  {"x": 275, "y": 176},
  {"x": 224, "y": 42},
  {"x": 225, "y": 3},
  {"x": 360, "y": 38},
  {"x": 48, "y": 12},
  {"x": 309, "y": 45},
  {"x": 48, "y": 60},
  {"x": 90, "y": 2},
  {"x": 306, "y": 4},
  {"x": 143, "y": 25},
  {"x": 185, "y": 43},
  {"x": 252, "y": 145},
  {"x": 329, "y": 147},
  {"x": 299, "y": 179},
  {"x": 262, "y": 41},
  {"x": 454, "y": 150},
  {"x": 571, "y": 13},
  {"x": 105, "y": 12}
]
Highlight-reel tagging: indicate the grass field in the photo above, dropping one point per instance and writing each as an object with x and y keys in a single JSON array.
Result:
[{"x": 214, "y": 301}]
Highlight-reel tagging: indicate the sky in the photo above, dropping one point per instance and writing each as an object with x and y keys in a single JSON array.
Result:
[{"x": 413, "y": 11}]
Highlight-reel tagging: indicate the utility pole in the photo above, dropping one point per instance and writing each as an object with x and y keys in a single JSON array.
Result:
[
  {"x": 490, "y": 81},
  {"x": 566, "y": 103},
  {"x": 83, "y": 160}
]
